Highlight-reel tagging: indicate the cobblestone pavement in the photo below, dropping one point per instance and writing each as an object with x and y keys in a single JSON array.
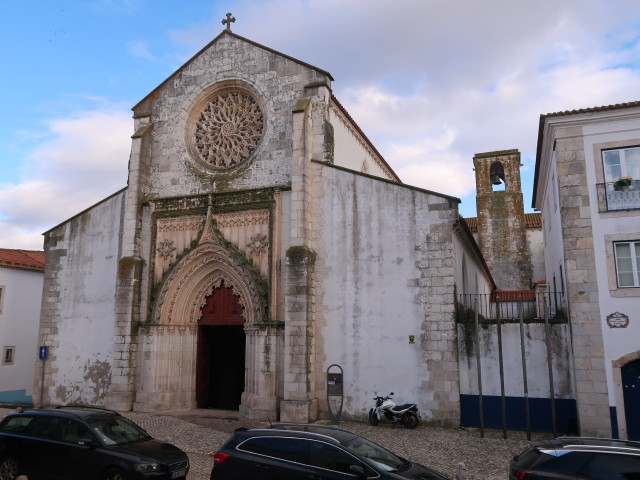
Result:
[{"x": 201, "y": 433}]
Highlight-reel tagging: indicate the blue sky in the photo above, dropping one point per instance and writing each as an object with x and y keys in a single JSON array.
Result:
[{"x": 431, "y": 82}]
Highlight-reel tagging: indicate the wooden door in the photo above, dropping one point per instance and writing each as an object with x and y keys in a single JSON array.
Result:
[
  {"x": 220, "y": 364},
  {"x": 631, "y": 391}
]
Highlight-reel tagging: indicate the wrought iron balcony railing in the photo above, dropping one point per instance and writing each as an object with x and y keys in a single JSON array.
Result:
[{"x": 612, "y": 197}]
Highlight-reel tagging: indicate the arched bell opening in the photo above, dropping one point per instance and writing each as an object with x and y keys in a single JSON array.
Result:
[{"x": 497, "y": 177}]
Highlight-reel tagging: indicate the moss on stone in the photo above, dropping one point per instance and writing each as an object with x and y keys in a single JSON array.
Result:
[{"x": 301, "y": 254}]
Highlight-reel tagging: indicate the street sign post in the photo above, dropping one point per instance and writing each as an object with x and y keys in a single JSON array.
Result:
[{"x": 43, "y": 353}]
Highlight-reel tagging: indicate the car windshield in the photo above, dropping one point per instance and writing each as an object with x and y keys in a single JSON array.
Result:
[
  {"x": 116, "y": 430},
  {"x": 374, "y": 454}
]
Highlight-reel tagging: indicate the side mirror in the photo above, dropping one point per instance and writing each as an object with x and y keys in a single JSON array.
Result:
[{"x": 358, "y": 470}]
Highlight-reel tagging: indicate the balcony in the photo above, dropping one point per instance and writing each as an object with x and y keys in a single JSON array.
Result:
[{"x": 613, "y": 198}]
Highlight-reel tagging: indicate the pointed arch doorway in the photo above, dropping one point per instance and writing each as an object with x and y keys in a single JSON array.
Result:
[{"x": 220, "y": 361}]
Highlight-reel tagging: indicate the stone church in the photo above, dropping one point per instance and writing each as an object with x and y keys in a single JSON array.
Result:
[{"x": 261, "y": 239}]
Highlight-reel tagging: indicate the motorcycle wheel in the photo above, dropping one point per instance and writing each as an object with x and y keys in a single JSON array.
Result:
[
  {"x": 410, "y": 420},
  {"x": 373, "y": 418}
]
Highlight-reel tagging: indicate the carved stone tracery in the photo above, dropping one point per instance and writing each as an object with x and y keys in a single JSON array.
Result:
[
  {"x": 228, "y": 128},
  {"x": 178, "y": 224}
]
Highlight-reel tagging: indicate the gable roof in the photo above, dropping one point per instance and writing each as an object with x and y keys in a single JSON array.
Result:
[
  {"x": 32, "y": 260},
  {"x": 543, "y": 120},
  {"x": 228, "y": 32}
]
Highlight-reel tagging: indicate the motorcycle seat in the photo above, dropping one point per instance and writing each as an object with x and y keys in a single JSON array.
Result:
[{"x": 403, "y": 407}]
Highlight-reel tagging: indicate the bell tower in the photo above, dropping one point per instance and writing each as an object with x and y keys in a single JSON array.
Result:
[{"x": 501, "y": 223}]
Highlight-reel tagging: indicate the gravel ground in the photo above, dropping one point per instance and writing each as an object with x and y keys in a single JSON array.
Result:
[{"x": 201, "y": 433}]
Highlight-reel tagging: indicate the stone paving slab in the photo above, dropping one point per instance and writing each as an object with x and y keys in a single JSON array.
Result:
[{"x": 201, "y": 433}]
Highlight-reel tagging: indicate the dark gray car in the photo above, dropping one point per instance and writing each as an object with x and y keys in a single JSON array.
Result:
[
  {"x": 288, "y": 452},
  {"x": 578, "y": 458},
  {"x": 84, "y": 444}
]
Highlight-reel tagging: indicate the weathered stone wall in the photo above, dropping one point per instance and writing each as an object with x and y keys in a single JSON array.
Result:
[
  {"x": 277, "y": 82},
  {"x": 501, "y": 227},
  {"x": 582, "y": 284},
  {"x": 385, "y": 275},
  {"x": 77, "y": 319}
]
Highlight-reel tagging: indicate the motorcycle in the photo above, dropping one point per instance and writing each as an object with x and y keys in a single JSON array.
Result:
[{"x": 406, "y": 414}]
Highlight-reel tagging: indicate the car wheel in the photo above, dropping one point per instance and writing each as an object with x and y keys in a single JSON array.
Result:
[
  {"x": 114, "y": 474},
  {"x": 8, "y": 468},
  {"x": 410, "y": 420}
]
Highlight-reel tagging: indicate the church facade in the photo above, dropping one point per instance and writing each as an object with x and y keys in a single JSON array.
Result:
[{"x": 260, "y": 240}]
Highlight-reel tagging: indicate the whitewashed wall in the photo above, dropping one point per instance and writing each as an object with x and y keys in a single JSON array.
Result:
[
  {"x": 350, "y": 149},
  {"x": 370, "y": 235},
  {"x": 19, "y": 320},
  {"x": 609, "y": 227},
  {"x": 79, "y": 303},
  {"x": 471, "y": 276},
  {"x": 535, "y": 240},
  {"x": 536, "y": 360}
]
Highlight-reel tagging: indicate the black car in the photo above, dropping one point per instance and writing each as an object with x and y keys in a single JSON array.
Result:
[
  {"x": 292, "y": 452},
  {"x": 84, "y": 444},
  {"x": 578, "y": 458}
]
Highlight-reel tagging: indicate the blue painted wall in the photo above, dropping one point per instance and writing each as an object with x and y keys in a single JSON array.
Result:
[
  {"x": 19, "y": 397},
  {"x": 539, "y": 408}
]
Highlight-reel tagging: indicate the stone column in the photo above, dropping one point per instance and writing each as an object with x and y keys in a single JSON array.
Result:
[
  {"x": 259, "y": 399},
  {"x": 299, "y": 403},
  {"x": 130, "y": 270}
]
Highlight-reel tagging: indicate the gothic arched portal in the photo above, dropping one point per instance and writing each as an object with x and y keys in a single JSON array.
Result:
[{"x": 169, "y": 358}]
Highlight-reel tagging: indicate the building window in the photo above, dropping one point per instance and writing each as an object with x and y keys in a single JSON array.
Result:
[
  {"x": 1, "y": 297},
  {"x": 8, "y": 355},
  {"x": 621, "y": 162},
  {"x": 627, "y": 263}
]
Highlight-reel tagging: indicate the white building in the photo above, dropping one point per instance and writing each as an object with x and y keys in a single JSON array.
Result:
[
  {"x": 21, "y": 276},
  {"x": 591, "y": 224}
]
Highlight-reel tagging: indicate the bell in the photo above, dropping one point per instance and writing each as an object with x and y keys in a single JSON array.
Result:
[{"x": 495, "y": 179}]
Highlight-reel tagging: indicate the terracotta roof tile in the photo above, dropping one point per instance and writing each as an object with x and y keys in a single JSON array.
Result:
[
  {"x": 604, "y": 108},
  {"x": 22, "y": 259},
  {"x": 531, "y": 220},
  {"x": 513, "y": 295}
]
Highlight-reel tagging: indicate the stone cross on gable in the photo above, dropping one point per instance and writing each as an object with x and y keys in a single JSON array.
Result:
[{"x": 229, "y": 21}]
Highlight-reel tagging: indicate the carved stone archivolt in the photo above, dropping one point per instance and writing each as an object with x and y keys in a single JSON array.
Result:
[
  {"x": 198, "y": 273},
  {"x": 226, "y": 127}
]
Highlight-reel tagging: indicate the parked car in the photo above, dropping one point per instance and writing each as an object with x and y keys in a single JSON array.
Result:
[
  {"x": 578, "y": 458},
  {"x": 292, "y": 452},
  {"x": 83, "y": 444}
]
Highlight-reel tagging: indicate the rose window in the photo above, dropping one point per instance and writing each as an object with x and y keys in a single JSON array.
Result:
[{"x": 228, "y": 129}]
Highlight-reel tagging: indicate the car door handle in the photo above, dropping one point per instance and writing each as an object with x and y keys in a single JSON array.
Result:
[
  {"x": 315, "y": 477},
  {"x": 262, "y": 467}
]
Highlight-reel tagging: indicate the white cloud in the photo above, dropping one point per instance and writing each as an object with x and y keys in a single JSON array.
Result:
[
  {"x": 139, "y": 49},
  {"x": 84, "y": 160},
  {"x": 430, "y": 82}
]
